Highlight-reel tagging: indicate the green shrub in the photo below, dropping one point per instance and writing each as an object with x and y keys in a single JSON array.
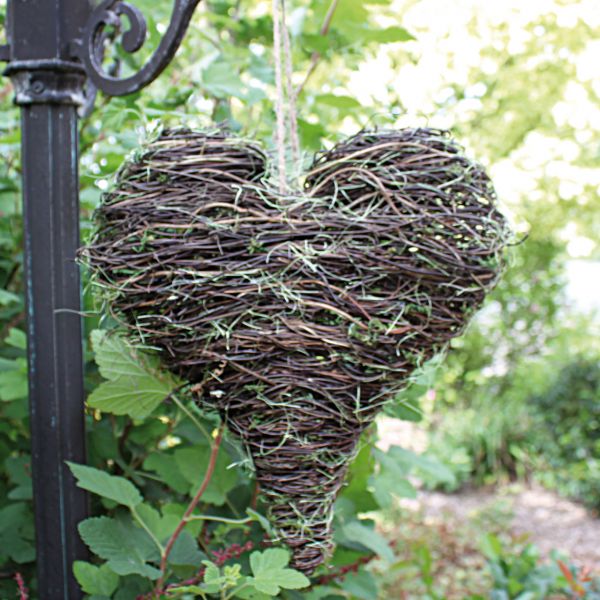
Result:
[
  {"x": 569, "y": 440},
  {"x": 520, "y": 575},
  {"x": 484, "y": 443}
]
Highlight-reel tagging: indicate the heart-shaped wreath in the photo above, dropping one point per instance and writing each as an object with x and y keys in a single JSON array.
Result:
[{"x": 297, "y": 316}]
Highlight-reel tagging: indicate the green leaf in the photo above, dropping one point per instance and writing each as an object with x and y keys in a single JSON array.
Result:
[
  {"x": 391, "y": 480},
  {"x": 95, "y": 580},
  {"x": 162, "y": 526},
  {"x": 388, "y": 35},
  {"x": 361, "y": 585},
  {"x": 135, "y": 385},
  {"x": 7, "y": 298},
  {"x": 114, "y": 356},
  {"x": 165, "y": 466},
  {"x": 136, "y": 397},
  {"x": 13, "y": 382},
  {"x": 16, "y": 537},
  {"x": 271, "y": 573},
  {"x": 19, "y": 472},
  {"x": 360, "y": 473},
  {"x": 343, "y": 102},
  {"x": 221, "y": 79},
  {"x": 433, "y": 469},
  {"x": 406, "y": 409},
  {"x": 185, "y": 552},
  {"x": 114, "y": 488},
  {"x": 16, "y": 338},
  {"x": 193, "y": 462},
  {"x": 357, "y": 532},
  {"x": 126, "y": 548}
]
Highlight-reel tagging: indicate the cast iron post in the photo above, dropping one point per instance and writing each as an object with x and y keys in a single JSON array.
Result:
[
  {"x": 55, "y": 52},
  {"x": 49, "y": 88}
]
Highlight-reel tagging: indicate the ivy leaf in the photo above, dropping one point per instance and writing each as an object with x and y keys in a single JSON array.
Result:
[
  {"x": 95, "y": 580},
  {"x": 118, "y": 489},
  {"x": 271, "y": 573},
  {"x": 126, "y": 548}
]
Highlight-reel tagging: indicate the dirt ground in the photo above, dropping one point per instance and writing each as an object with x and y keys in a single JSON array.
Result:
[{"x": 549, "y": 521}]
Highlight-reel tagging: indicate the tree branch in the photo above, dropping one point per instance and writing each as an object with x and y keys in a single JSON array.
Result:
[
  {"x": 190, "y": 509},
  {"x": 316, "y": 56}
]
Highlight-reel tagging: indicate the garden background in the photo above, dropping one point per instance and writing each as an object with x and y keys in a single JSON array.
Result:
[{"x": 514, "y": 406}]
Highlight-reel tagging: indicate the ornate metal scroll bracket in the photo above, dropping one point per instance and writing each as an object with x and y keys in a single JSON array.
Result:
[{"x": 105, "y": 24}]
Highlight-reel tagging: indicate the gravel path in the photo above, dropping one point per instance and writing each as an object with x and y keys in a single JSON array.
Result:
[{"x": 550, "y": 522}]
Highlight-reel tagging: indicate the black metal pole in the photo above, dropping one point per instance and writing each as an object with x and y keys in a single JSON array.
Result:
[
  {"x": 48, "y": 89},
  {"x": 55, "y": 49}
]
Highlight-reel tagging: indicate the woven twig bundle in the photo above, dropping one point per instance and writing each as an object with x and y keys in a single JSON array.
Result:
[{"x": 300, "y": 315}]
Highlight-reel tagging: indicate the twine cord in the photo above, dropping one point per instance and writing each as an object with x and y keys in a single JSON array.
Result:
[{"x": 285, "y": 101}]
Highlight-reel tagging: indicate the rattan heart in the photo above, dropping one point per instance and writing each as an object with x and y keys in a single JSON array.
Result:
[{"x": 299, "y": 316}]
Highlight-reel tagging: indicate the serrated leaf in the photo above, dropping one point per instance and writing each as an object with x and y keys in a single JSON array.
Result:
[
  {"x": 114, "y": 356},
  {"x": 115, "y": 488},
  {"x": 162, "y": 526},
  {"x": 126, "y": 548},
  {"x": 95, "y": 580},
  {"x": 136, "y": 397},
  {"x": 358, "y": 532},
  {"x": 270, "y": 572},
  {"x": 135, "y": 385}
]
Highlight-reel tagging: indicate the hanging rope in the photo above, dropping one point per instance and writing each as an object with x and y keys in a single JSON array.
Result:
[
  {"x": 285, "y": 102},
  {"x": 291, "y": 95},
  {"x": 279, "y": 99}
]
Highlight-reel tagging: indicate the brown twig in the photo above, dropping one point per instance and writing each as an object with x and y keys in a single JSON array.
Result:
[
  {"x": 297, "y": 316},
  {"x": 190, "y": 509},
  {"x": 316, "y": 56}
]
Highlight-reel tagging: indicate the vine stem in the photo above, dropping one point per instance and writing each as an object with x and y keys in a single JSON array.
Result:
[
  {"x": 190, "y": 509},
  {"x": 316, "y": 56}
]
